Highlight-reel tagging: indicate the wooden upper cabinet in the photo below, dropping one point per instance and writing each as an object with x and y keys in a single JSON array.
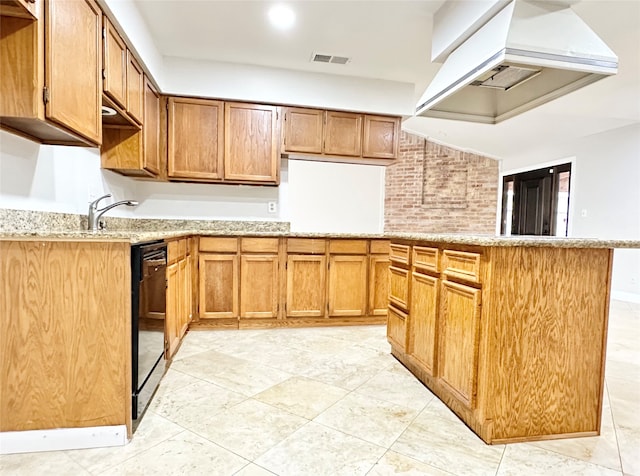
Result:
[
  {"x": 115, "y": 65},
  {"x": 343, "y": 133},
  {"x": 195, "y": 138},
  {"x": 135, "y": 89},
  {"x": 303, "y": 130},
  {"x": 19, "y": 8},
  {"x": 380, "y": 137},
  {"x": 73, "y": 59},
  {"x": 151, "y": 130},
  {"x": 251, "y": 145}
]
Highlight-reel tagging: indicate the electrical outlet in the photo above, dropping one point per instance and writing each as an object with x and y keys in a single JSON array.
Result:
[
  {"x": 583, "y": 214},
  {"x": 272, "y": 207}
]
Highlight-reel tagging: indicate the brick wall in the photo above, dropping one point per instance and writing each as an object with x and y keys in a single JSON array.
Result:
[{"x": 438, "y": 189}]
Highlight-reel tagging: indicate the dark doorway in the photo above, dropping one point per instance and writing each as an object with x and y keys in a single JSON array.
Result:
[{"x": 536, "y": 202}]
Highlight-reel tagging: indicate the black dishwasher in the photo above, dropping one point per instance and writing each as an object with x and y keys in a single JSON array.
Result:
[{"x": 148, "y": 308}]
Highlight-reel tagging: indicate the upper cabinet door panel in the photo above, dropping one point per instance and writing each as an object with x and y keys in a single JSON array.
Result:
[
  {"x": 303, "y": 130},
  {"x": 115, "y": 65},
  {"x": 195, "y": 143},
  {"x": 151, "y": 129},
  {"x": 343, "y": 133},
  {"x": 380, "y": 138},
  {"x": 251, "y": 143},
  {"x": 135, "y": 89},
  {"x": 73, "y": 66}
]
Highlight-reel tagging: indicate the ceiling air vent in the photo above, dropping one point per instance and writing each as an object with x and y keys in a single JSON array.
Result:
[{"x": 319, "y": 58}]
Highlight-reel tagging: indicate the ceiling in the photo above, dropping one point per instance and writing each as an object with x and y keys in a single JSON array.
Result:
[{"x": 391, "y": 40}]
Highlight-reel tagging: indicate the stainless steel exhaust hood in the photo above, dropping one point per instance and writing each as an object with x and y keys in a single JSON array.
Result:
[{"x": 528, "y": 54}]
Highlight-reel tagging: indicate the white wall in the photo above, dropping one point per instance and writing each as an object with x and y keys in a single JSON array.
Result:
[
  {"x": 342, "y": 198},
  {"x": 607, "y": 187},
  {"x": 273, "y": 85}
]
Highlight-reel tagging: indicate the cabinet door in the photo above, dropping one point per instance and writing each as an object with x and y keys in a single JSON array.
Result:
[
  {"x": 73, "y": 66},
  {"x": 218, "y": 286},
  {"x": 115, "y": 65},
  {"x": 151, "y": 129},
  {"x": 343, "y": 133},
  {"x": 306, "y": 284},
  {"x": 399, "y": 287},
  {"x": 171, "y": 332},
  {"x": 195, "y": 140},
  {"x": 185, "y": 293},
  {"x": 259, "y": 286},
  {"x": 347, "y": 285},
  {"x": 250, "y": 147},
  {"x": 458, "y": 340},
  {"x": 378, "y": 285},
  {"x": 303, "y": 130},
  {"x": 135, "y": 89},
  {"x": 380, "y": 137},
  {"x": 396, "y": 328},
  {"x": 422, "y": 321}
]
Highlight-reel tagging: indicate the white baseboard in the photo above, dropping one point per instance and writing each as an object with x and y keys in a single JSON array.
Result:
[
  {"x": 62, "y": 439},
  {"x": 622, "y": 296}
]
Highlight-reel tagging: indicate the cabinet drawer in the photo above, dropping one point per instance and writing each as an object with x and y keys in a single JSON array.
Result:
[
  {"x": 399, "y": 286},
  {"x": 426, "y": 258},
  {"x": 461, "y": 265},
  {"x": 306, "y": 246},
  {"x": 396, "y": 327},
  {"x": 176, "y": 250},
  {"x": 380, "y": 247},
  {"x": 219, "y": 245},
  {"x": 259, "y": 245},
  {"x": 399, "y": 253},
  {"x": 357, "y": 247}
]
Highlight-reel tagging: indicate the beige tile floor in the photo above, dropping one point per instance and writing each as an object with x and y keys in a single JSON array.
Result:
[{"x": 332, "y": 401}]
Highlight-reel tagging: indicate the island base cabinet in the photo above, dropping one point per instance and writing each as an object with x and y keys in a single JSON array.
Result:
[{"x": 516, "y": 347}]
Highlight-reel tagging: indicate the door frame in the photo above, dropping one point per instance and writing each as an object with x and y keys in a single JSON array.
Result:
[{"x": 529, "y": 168}]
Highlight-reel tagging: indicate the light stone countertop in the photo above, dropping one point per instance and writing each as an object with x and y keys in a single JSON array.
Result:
[{"x": 134, "y": 237}]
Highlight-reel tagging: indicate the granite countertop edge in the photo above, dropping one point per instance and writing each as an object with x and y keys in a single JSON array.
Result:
[{"x": 136, "y": 237}]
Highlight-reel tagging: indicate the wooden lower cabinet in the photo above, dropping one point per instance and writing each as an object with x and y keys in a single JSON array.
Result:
[
  {"x": 219, "y": 281},
  {"x": 458, "y": 340},
  {"x": 306, "y": 278},
  {"x": 378, "y": 285},
  {"x": 171, "y": 332},
  {"x": 423, "y": 321},
  {"x": 511, "y": 338},
  {"x": 179, "y": 296},
  {"x": 347, "y": 285},
  {"x": 259, "y": 285}
]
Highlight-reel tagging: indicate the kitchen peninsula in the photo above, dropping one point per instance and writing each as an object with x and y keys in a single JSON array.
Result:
[{"x": 509, "y": 332}]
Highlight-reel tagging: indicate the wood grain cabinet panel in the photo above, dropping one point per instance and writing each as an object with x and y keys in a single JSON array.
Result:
[
  {"x": 171, "y": 323},
  {"x": 73, "y": 72},
  {"x": 381, "y": 136},
  {"x": 306, "y": 284},
  {"x": 458, "y": 340},
  {"x": 151, "y": 159},
  {"x": 19, "y": 8},
  {"x": 396, "y": 327},
  {"x": 303, "y": 130},
  {"x": 378, "y": 285},
  {"x": 426, "y": 258},
  {"x": 115, "y": 63},
  {"x": 251, "y": 145},
  {"x": 195, "y": 139},
  {"x": 399, "y": 287},
  {"x": 219, "y": 283},
  {"x": 461, "y": 265},
  {"x": 135, "y": 89},
  {"x": 422, "y": 328},
  {"x": 347, "y": 285},
  {"x": 259, "y": 286},
  {"x": 343, "y": 133}
]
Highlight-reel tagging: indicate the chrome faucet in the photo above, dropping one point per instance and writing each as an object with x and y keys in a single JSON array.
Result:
[{"x": 94, "y": 223}]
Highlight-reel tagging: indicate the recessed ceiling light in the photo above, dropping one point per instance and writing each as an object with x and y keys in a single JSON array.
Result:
[{"x": 281, "y": 17}]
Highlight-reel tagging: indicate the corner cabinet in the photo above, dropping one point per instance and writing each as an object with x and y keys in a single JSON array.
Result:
[
  {"x": 50, "y": 73},
  {"x": 506, "y": 336}
]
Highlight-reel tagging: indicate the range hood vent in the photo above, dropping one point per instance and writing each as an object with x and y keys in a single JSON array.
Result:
[{"x": 526, "y": 55}]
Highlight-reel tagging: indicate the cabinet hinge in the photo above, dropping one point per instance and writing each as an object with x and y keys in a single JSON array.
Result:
[
  {"x": 104, "y": 73},
  {"x": 45, "y": 95},
  {"x": 104, "y": 33}
]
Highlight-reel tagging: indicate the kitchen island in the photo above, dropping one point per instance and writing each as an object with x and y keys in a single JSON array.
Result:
[{"x": 509, "y": 332}]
